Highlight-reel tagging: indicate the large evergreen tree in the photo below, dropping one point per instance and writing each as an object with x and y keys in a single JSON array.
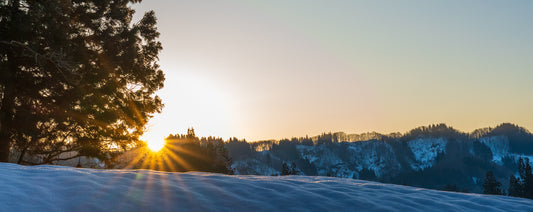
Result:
[{"x": 75, "y": 76}]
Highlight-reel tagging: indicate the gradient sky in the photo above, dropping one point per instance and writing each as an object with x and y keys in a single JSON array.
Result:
[{"x": 276, "y": 69}]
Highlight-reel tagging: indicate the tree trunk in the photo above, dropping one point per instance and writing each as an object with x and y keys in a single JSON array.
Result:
[
  {"x": 7, "y": 102},
  {"x": 6, "y": 115},
  {"x": 4, "y": 148},
  {"x": 5, "y": 141},
  {"x": 4, "y": 136}
]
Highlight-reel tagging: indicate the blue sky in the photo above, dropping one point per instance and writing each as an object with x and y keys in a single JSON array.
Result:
[{"x": 275, "y": 69}]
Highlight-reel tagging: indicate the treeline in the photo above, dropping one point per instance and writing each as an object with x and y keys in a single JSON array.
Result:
[
  {"x": 181, "y": 153},
  {"x": 460, "y": 166},
  {"x": 522, "y": 186},
  {"x": 519, "y": 186}
]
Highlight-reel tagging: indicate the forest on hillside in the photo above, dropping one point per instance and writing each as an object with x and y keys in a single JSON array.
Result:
[{"x": 435, "y": 156}]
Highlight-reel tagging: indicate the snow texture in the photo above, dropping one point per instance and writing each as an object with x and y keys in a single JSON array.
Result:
[
  {"x": 56, "y": 188},
  {"x": 375, "y": 156},
  {"x": 499, "y": 146},
  {"x": 426, "y": 151}
]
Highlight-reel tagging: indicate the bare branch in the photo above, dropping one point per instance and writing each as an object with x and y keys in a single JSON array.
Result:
[{"x": 49, "y": 161}]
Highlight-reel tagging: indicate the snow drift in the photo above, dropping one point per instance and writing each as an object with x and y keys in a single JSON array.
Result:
[{"x": 56, "y": 188}]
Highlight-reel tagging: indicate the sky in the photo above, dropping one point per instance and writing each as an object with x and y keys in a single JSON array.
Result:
[{"x": 279, "y": 69}]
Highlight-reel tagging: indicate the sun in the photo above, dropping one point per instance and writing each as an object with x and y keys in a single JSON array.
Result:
[
  {"x": 156, "y": 145},
  {"x": 155, "y": 141}
]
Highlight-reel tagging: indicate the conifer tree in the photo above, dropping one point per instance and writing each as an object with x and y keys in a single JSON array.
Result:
[
  {"x": 75, "y": 76},
  {"x": 525, "y": 184},
  {"x": 515, "y": 187},
  {"x": 491, "y": 185},
  {"x": 285, "y": 170},
  {"x": 294, "y": 170}
]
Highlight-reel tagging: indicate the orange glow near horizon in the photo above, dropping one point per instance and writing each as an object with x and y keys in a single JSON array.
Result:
[
  {"x": 261, "y": 71},
  {"x": 154, "y": 142},
  {"x": 169, "y": 157},
  {"x": 156, "y": 145}
]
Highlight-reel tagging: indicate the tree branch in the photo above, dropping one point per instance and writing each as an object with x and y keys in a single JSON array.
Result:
[{"x": 61, "y": 65}]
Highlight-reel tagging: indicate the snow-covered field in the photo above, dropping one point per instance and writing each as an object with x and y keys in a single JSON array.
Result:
[{"x": 56, "y": 188}]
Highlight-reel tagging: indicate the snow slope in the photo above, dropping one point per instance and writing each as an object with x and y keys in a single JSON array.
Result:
[
  {"x": 426, "y": 151},
  {"x": 499, "y": 146},
  {"x": 56, "y": 188}
]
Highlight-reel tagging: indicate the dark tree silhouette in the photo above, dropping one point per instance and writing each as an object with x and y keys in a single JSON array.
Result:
[
  {"x": 75, "y": 76},
  {"x": 491, "y": 185},
  {"x": 294, "y": 170},
  {"x": 285, "y": 169},
  {"x": 523, "y": 185},
  {"x": 515, "y": 187},
  {"x": 527, "y": 177}
]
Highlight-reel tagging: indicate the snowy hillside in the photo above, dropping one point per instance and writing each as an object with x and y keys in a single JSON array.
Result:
[
  {"x": 426, "y": 150},
  {"x": 435, "y": 157},
  {"x": 56, "y": 188}
]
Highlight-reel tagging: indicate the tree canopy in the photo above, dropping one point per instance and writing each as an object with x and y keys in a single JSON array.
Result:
[{"x": 75, "y": 76}]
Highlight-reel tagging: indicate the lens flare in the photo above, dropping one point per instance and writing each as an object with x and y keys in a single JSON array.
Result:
[
  {"x": 156, "y": 145},
  {"x": 154, "y": 140}
]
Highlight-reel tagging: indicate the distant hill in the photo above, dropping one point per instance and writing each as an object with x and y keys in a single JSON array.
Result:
[{"x": 435, "y": 156}]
